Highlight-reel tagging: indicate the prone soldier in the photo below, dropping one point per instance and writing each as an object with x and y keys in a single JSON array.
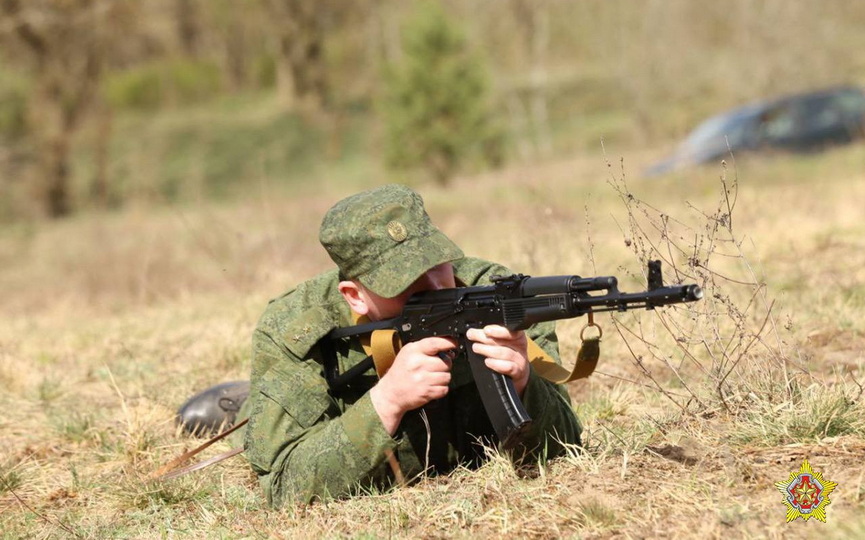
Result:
[{"x": 307, "y": 438}]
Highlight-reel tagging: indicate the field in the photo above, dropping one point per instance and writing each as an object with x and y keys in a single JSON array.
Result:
[{"x": 108, "y": 322}]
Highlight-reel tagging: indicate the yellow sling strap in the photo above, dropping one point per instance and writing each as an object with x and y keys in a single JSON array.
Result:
[
  {"x": 383, "y": 346},
  {"x": 587, "y": 359}
]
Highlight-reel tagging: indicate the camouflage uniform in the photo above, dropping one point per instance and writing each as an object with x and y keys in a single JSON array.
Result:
[{"x": 306, "y": 443}]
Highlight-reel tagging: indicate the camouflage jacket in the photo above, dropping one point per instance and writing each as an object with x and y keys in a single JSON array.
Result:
[{"x": 305, "y": 443}]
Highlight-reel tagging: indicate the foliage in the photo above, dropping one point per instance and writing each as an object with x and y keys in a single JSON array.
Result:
[
  {"x": 436, "y": 103},
  {"x": 13, "y": 108},
  {"x": 575, "y": 72},
  {"x": 213, "y": 156},
  {"x": 150, "y": 86}
]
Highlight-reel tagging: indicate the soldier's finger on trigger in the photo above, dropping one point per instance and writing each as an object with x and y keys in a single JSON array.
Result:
[
  {"x": 440, "y": 362},
  {"x": 434, "y": 345},
  {"x": 447, "y": 356}
]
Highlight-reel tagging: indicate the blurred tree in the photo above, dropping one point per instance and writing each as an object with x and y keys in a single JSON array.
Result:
[
  {"x": 533, "y": 21},
  {"x": 301, "y": 71},
  {"x": 232, "y": 37},
  {"x": 435, "y": 105},
  {"x": 65, "y": 46},
  {"x": 188, "y": 26}
]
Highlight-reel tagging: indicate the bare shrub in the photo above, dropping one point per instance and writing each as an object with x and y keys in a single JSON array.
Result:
[{"x": 724, "y": 354}]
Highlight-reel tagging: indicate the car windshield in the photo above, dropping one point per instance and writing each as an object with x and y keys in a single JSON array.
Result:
[
  {"x": 716, "y": 132},
  {"x": 852, "y": 102}
]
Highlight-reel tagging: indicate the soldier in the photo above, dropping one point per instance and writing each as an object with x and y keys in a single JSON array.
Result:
[{"x": 424, "y": 415}]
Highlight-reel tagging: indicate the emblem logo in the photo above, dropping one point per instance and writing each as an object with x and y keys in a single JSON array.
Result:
[
  {"x": 806, "y": 494},
  {"x": 397, "y": 231}
]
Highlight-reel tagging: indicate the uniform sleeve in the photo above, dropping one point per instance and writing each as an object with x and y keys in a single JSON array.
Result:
[
  {"x": 299, "y": 443},
  {"x": 554, "y": 423}
]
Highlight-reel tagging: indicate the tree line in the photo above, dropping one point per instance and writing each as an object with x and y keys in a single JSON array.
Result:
[
  {"x": 452, "y": 82},
  {"x": 83, "y": 60}
]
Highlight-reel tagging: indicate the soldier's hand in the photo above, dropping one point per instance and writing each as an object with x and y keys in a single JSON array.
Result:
[
  {"x": 418, "y": 375},
  {"x": 506, "y": 352}
]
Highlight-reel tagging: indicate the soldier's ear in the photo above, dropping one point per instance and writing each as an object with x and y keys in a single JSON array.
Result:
[{"x": 354, "y": 296}]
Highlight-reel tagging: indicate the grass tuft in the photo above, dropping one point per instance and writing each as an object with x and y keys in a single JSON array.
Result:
[
  {"x": 815, "y": 413},
  {"x": 10, "y": 479}
]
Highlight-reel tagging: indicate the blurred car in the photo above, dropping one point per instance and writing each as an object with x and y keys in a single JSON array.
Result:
[{"x": 797, "y": 123}]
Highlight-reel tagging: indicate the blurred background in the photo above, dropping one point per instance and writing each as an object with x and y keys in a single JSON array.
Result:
[
  {"x": 165, "y": 164},
  {"x": 107, "y": 104}
]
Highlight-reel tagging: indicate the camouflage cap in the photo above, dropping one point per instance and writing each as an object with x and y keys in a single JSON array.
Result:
[{"x": 384, "y": 239}]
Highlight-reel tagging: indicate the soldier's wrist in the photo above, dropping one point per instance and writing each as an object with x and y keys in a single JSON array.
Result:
[{"x": 388, "y": 412}]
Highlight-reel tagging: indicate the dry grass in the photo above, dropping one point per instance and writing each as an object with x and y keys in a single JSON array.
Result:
[{"x": 108, "y": 322}]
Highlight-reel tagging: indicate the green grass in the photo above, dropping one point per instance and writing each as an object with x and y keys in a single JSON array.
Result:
[
  {"x": 229, "y": 147},
  {"x": 213, "y": 158},
  {"x": 814, "y": 414}
]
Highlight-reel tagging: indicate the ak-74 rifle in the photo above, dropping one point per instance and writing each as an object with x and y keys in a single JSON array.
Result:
[{"x": 515, "y": 302}]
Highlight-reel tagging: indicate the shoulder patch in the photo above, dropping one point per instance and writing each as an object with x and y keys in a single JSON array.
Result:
[{"x": 306, "y": 329}]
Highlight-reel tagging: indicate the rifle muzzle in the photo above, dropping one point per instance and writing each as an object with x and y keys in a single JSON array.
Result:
[{"x": 693, "y": 293}]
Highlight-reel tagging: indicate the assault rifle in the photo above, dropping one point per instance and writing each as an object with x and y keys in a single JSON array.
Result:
[{"x": 515, "y": 302}]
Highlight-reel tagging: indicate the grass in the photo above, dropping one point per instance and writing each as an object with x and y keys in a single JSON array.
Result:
[{"x": 110, "y": 321}]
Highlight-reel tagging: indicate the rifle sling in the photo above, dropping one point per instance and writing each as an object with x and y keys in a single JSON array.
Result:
[
  {"x": 339, "y": 382},
  {"x": 362, "y": 326},
  {"x": 379, "y": 340},
  {"x": 546, "y": 367}
]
